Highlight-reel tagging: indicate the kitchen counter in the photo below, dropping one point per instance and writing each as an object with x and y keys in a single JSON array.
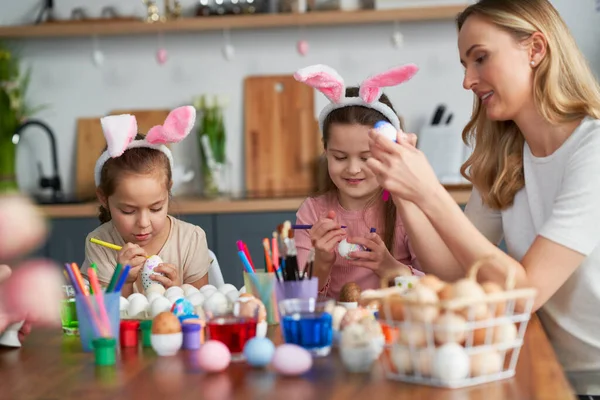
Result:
[{"x": 197, "y": 205}]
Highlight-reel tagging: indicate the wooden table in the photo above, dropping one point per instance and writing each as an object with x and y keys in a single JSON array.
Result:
[{"x": 52, "y": 366}]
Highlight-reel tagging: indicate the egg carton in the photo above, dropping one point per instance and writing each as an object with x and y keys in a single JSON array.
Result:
[{"x": 458, "y": 342}]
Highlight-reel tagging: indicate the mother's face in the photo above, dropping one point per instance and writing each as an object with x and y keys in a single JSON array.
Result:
[{"x": 497, "y": 68}]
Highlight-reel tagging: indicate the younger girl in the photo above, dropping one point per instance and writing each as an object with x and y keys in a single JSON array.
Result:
[
  {"x": 133, "y": 180},
  {"x": 351, "y": 196}
]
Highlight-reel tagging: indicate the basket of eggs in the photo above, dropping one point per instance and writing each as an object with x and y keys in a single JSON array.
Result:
[{"x": 454, "y": 334}]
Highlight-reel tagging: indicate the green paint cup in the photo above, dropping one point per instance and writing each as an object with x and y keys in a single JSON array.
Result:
[
  {"x": 105, "y": 351},
  {"x": 146, "y": 327}
]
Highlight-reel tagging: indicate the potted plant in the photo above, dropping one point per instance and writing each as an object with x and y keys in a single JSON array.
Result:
[
  {"x": 212, "y": 143},
  {"x": 13, "y": 112}
]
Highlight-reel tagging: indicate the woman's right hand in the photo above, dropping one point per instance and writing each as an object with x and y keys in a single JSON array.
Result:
[
  {"x": 135, "y": 256},
  {"x": 325, "y": 235}
]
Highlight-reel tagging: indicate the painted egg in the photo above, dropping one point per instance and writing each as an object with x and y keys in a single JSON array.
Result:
[
  {"x": 345, "y": 248},
  {"x": 259, "y": 351},
  {"x": 182, "y": 307},
  {"x": 291, "y": 360},
  {"x": 148, "y": 269},
  {"x": 213, "y": 356},
  {"x": 386, "y": 129}
]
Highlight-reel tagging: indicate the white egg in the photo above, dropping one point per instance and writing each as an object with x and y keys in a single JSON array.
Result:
[
  {"x": 123, "y": 304},
  {"x": 174, "y": 297},
  {"x": 450, "y": 363},
  {"x": 152, "y": 262},
  {"x": 232, "y": 296},
  {"x": 197, "y": 299},
  {"x": 155, "y": 288},
  {"x": 137, "y": 306},
  {"x": 243, "y": 290},
  {"x": 226, "y": 288},
  {"x": 189, "y": 290},
  {"x": 185, "y": 286},
  {"x": 153, "y": 296},
  {"x": 345, "y": 248},
  {"x": 134, "y": 295},
  {"x": 338, "y": 315},
  {"x": 159, "y": 305},
  {"x": 386, "y": 129},
  {"x": 207, "y": 288},
  {"x": 216, "y": 304},
  {"x": 174, "y": 290}
]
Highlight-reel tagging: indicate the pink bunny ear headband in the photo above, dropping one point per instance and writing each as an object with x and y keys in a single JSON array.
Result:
[
  {"x": 326, "y": 80},
  {"x": 120, "y": 132}
]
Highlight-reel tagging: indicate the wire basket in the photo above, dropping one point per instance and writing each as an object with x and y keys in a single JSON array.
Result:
[{"x": 454, "y": 341}]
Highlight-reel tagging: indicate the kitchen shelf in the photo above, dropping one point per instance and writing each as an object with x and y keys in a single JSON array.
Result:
[{"x": 254, "y": 21}]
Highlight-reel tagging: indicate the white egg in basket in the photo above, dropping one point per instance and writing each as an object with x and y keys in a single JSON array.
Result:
[
  {"x": 137, "y": 308},
  {"x": 207, "y": 290},
  {"x": 153, "y": 296},
  {"x": 189, "y": 289},
  {"x": 197, "y": 299},
  {"x": 174, "y": 290},
  {"x": 159, "y": 305},
  {"x": 216, "y": 304},
  {"x": 226, "y": 288}
]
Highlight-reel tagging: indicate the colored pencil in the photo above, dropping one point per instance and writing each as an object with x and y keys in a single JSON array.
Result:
[
  {"x": 79, "y": 278},
  {"x": 122, "y": 278},
  {"x": 114, "y": 278},
  {"x": 106, "y": 244},
  {"x": 105, "y": 327}
]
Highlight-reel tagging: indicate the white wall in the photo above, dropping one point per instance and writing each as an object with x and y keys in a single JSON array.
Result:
[{"x": 65, "y": 78}]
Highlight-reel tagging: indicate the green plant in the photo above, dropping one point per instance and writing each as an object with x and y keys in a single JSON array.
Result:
[{"x": 211, "y": 141}]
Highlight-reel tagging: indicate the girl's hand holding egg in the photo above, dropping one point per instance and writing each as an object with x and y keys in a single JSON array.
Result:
[
  {"x": 135, "y": 256},
  {"x": 378, "y": 259},
  {"x": 325, "y": 236},
  {"x": 171, "y": 275}
]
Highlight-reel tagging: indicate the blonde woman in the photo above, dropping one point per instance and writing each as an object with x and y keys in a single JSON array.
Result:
[{"x": 535, "y": 169}]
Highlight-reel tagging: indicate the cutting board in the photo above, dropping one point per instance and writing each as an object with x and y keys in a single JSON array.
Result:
[
  {"x": 282, "y": 139},
  {"x": 91, "y": 143}
]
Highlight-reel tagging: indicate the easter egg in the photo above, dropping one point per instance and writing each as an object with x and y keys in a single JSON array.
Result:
[
  {"x": 259, "y": 351},
  {"x": 345, "y": 248},
  {"x": 291, "y": 360},
  {"x": 197, "y": 299},
  {"x": 159, "y": 305},
  {"x": 213, "y": 356},
  {"x": 182, "y": 307},
  {"x": 148, "y": 269},
  {"x": 228, "y": 287},
  {"x": 386, "y": 129},
  {"x": 155, "y": 288},
  {"x": 174, "y": 290}
]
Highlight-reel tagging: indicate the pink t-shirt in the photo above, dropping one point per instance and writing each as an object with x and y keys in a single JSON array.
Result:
[{"x": 358, "y": 223}]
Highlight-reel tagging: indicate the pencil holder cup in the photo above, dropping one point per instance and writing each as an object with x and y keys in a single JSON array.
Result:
[
  {"x": 262, "y": 286},
  {"x": 304, "y": 289},
  {"x": 88, "y": 330}
]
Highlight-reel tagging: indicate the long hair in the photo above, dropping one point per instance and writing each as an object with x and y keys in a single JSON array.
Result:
[
  {"x": 363, "y": 116},
  {"x": 564, "y": 90}
]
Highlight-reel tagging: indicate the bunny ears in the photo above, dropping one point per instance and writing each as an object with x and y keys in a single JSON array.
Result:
[
  {"x": 120, "y": 132},
  {"x": 326, "y": 80}
]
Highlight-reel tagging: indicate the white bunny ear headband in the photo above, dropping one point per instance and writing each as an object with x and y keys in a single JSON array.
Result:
[
  {"x": 120, "y": 132},
  {"x": 326, "y": 80}
]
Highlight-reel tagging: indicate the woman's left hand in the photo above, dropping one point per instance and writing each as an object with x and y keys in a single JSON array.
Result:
[
  {"x": 378, "y": 259},
  {"x": 171, "y": 275},
  {"x": 400, "y": 167}
]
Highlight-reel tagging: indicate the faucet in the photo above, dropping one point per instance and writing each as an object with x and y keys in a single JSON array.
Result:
[{"x": 45, "y": 182}]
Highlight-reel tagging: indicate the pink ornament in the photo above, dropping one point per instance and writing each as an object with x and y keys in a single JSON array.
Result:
[
  {"x": 161, "y": 56},
  {"x": 302, "y": 47}
]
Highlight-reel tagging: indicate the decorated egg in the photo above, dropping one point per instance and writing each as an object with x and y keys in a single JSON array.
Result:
[
  {"x": 213, "y": 356},
  {"x": 182, "y": 307},
  {"x": 148, "y": 269},
  {"x": 386, "y": 129},
  {"x": 345, "y": 248},
  {"x": 291, "y": 360},
  {"x": 259, "y": 351}
]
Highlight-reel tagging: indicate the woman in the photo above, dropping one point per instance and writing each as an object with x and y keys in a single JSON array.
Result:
[{"x": 535, "y": 170}]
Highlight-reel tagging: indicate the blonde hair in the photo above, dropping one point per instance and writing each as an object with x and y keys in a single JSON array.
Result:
[{"x": 564, "y": 90}]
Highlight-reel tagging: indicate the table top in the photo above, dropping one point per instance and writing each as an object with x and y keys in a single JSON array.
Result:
[{"x": 53, "y": 366}]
